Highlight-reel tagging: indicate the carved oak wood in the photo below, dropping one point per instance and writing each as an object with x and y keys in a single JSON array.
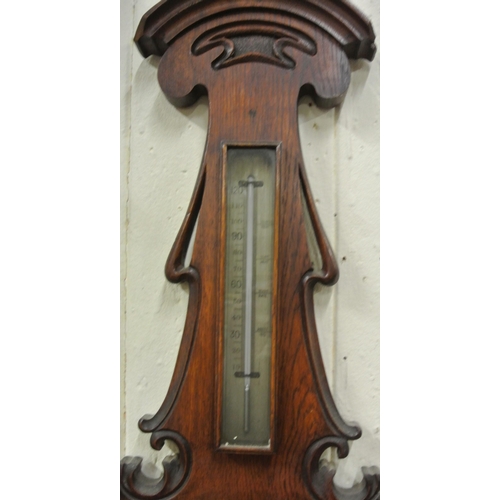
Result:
[{"x": 254, "y": 59}]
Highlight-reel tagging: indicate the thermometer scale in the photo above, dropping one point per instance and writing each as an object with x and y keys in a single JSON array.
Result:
[{"x": 250, "y": 186}]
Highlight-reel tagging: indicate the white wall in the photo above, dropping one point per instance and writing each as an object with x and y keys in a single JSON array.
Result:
[{"x": 161, "y": 153}]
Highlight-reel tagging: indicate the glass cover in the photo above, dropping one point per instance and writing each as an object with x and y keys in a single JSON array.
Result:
[{"x": 248, "y": 325}]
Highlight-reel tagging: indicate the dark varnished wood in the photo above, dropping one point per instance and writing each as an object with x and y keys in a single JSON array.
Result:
[{"x": 253, "y": 59}]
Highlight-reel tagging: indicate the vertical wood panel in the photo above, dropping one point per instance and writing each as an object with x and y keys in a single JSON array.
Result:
[{"x": 341, "y": 155}]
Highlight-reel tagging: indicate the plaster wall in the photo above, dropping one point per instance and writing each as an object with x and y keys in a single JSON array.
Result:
[{"x": 162, "y": 149}]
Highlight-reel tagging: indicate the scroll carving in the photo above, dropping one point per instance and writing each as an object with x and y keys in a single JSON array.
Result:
[
  {"x": 254, "y": 42},
  {"x": 328, "y": 275},
  {"x": 135, "y": 485},
  {"x": 319, "y": 476},
  {"x": 176, "y": 272}
]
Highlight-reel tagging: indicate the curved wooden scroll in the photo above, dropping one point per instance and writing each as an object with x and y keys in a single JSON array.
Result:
[{"x": 253, "y": 59}]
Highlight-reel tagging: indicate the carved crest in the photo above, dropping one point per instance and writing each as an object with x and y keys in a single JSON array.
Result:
[{"x": 254, "y": 42}]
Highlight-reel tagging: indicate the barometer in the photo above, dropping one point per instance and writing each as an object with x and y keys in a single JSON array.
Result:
[{"x": 249, "y": 408}]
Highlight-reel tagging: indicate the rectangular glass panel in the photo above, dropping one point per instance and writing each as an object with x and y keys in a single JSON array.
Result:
[{"x": 248, "y": 322}]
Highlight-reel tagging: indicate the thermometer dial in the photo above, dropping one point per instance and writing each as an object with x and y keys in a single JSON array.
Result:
[{"x": 248, "y": 297}]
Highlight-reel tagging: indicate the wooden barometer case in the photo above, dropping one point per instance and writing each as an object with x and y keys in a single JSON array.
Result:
[{"x": 249, "y": 407}]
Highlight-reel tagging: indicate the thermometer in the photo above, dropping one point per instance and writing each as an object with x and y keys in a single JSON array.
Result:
[
  {"x": 249, "y": 259},
  {"x": 250, "y": 184}
]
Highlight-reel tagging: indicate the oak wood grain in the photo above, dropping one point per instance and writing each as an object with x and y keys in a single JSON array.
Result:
[{"x": 254, "y": 59}]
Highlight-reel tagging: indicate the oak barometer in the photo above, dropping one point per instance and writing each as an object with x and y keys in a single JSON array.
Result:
[{"x": 249, "y": 407}]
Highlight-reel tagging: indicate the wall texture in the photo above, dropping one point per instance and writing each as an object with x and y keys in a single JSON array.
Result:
[{"x": 161, "y": 153}]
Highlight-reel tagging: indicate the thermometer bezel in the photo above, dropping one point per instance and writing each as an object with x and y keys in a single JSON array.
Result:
[{"x": 219, "y": 444}]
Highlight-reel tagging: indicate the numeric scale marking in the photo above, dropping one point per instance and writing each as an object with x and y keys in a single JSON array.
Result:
[{"x": 248, "y": 297}]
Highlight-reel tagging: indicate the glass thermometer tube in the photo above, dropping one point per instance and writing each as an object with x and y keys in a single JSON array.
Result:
[{"x": 250, "y": 184}]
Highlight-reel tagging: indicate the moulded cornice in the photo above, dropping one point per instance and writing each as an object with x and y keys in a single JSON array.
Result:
[{"x": 169, "y": 19}]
